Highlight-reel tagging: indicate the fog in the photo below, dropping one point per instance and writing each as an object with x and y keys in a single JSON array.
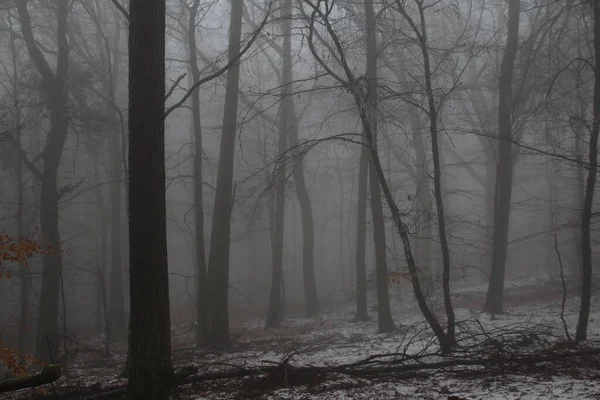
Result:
[{"x": 466, "y": 126}]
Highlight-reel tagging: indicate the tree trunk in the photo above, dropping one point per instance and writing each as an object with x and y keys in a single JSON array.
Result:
[
  {"x": 386, "y": 323},
  {"x": 586, "y": 245},
  {"x": 24, "y": 276},
  {"x": 423, "y": 202},
  {"x": 201, "y": 287},
  {"x": 275, "y": 311},
  {"x": 579, "y": 196},
  {"x": 308, "y": 241},
  {"x": 55, "y": 92},
  {"x": 490, "y": 184},
  {"x": 437, "y": 183},
  {"x": 341, "y": 226},
  {"x": 362, "y": 313},
  {"x": 551, "y": 260},
  {"x": 150, "y": 368},
  {"x": 504, "y": 174},
  {"x": 218, "y": 259}
]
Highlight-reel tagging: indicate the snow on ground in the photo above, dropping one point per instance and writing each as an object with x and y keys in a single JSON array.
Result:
[{"x": 333, "y": 339}]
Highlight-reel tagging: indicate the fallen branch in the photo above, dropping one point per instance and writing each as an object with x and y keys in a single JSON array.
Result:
[
  {"x": 283, "y": 374},
  {"x": 47, "y": 375}
]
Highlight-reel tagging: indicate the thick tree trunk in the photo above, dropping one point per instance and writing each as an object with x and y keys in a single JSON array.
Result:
[
  {"x": 586, "y": 245},
  {"x": 504, "y": 171},
  {"x": 218, "y": 259},
  {"x": 55, "y": 92},
  {"x": 150, "y": 368},
  {"x": 385, "y": 321}
]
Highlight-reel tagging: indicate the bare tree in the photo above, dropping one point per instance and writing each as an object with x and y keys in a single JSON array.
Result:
[
  {"x": 504, "y": 170},
  {"x": 385, "y": 321},
  {"x": 588, "y": 200},
  {"x": 201, "y": 286},
  {"x": 218, "y": 258},
  {"x": 55, "y": 96},
  {"x": 275, "y": 311},
  {"x": 24, "y": 276},
  {"x": 362, "y": 102}
]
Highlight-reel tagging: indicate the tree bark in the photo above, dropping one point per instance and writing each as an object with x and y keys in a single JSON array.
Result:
[
  {"x": 150, "y": 368},
  {"x": 504, "y": 171},
  {"x": 218, "y": 259},
  {"x": 385, "y": 321},
  {"x": 55, "y": 92},
  {"x": 586, "y": 245}
]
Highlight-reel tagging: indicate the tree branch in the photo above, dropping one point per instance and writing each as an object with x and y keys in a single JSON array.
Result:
[{"x": 220, "y": 72}]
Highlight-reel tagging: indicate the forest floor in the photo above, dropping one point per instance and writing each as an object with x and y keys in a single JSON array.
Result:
[{"x": 301, "y": 358}]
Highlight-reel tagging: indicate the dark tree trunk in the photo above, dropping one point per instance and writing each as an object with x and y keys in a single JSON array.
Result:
[
  {"x": 218, "y": 259},
  {"x": 150, "y": 368},
  {"x": 586, "y": 245},
  {"x": 386, "y": 323},
  {"x": 504, "y": 171},
  {"x": 55, "y": 92},
  {"x": 448, "y": 339}
]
